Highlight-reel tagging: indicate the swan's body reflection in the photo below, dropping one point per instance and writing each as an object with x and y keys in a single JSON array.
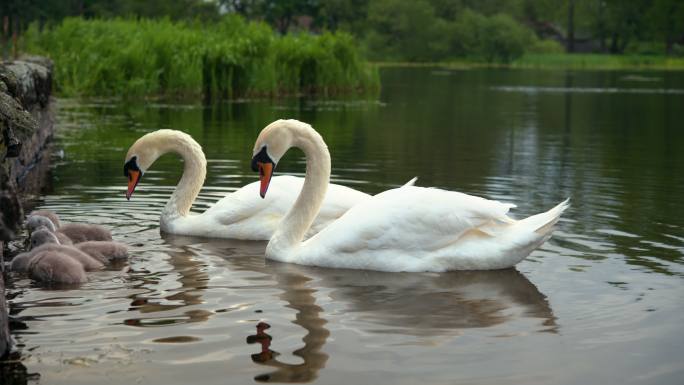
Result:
[{"x": 435, "y": 305}]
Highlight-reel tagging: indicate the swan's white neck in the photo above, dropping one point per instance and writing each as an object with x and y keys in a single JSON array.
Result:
[
  {"x": 294, "y": 226},
  {"x": 161, "y": 142}
]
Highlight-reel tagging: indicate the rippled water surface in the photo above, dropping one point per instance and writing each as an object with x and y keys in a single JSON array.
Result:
[{"x": 600, "y": 303}]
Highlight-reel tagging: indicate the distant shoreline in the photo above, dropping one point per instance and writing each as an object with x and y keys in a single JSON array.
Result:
[{"x": 560, "y": 61}]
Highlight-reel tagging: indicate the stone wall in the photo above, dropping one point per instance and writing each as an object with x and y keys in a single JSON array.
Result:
[{"x": 26, "y": 126}]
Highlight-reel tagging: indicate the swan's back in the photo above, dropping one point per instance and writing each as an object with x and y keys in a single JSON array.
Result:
[{"x": 422, "y": 229}]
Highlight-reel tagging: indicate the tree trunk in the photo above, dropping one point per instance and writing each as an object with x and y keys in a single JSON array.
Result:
[
  {"x": 15, "y": 32},
  {"x": 614, "y": 43},
  {"x": 571, "y": 26},
  {"x": 5, "y": 35},
  {"x": 669, "y": 45},
  {"x": 601, "y": 27},
  {"x": 623, "y": 45}
]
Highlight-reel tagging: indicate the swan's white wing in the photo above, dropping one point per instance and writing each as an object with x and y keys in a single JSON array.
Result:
[
  {"x": 407, "y": 219},
  {"x": 246, "y": 203},
  {"x": 338, "y": 200},
  {"x": 243, "y": 214}
]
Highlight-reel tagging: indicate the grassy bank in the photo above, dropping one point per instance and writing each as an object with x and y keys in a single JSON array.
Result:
[
  {"x": 231, "y": 58},
  {"x": 599, "y": 62},
  {"x": 563, "y": 61}
]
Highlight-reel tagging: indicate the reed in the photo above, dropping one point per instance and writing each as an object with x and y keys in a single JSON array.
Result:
[{"x": 229, "y": 59}]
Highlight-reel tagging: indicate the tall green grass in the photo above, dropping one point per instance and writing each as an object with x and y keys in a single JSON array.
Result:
[{"x": 232, "y": 58}]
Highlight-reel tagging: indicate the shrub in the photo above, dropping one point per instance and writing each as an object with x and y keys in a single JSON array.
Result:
[
  {"x": 497, "y": 38},
  {"x": 504, "y": 39},
  {"x": 406, "y": 30},
  {"x": 546, "y": 46},
  {"x": 230, "y": 58}
]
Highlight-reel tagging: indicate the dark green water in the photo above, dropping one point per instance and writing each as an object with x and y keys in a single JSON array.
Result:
[{"x": 601, "y": 302}]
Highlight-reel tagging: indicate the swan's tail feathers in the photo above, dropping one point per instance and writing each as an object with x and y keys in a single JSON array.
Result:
[
  {"x": 411, "y": 182},
  {"x": 543, "y": 223}
]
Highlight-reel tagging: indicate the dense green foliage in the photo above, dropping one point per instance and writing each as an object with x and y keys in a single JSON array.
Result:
[
  {"x": 503, "y": 30},
  {"x": 229, "y": 58},
  {"x": 491, "y": 31}
]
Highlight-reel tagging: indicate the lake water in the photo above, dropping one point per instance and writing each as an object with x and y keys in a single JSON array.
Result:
[{"x": 600, "y": 303}]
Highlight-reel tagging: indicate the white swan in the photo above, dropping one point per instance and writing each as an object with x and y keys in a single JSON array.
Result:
[
  {"x": 403, "y": 229},
  {"x": 240, "y": 215}
]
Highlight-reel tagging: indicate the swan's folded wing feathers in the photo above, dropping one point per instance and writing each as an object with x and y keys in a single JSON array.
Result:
[
  {"x": 410, "y": 218},
  {"x": 245, "y": 203},
  {"x": 246, "y": 212},
  {"x": 338, "y": 199}
]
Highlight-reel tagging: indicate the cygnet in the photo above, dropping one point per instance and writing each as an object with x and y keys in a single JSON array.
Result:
[
  {"x": 80, "y": 232},
  {"x": 76, "y": 232},
  {"x": 43, "y": 239},
  {"x": 21, "y": 261},
  {"x": 49, "y": 215},
  {"x": 103, "y": 251},
  {"x": 55, "y": 267},
  {"x": 35, "y": 222}
]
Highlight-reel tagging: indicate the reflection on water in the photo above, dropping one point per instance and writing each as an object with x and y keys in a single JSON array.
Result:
[
  {"x": 444, "y": 303},
  {"x": 430, "y": 305},
  {"x": 187, "y": 273},
  {"x": 590, "y": 90},
  {"x": 13, "y": 371},
  {"x": 609, "y": 281}
]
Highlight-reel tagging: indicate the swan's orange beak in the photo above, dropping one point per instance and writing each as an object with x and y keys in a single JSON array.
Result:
[
  {"x": 133, "y": 179},
  {"x": 265, "y": 174}
]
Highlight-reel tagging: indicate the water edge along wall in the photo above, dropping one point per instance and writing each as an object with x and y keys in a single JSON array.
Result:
[{"x": 26, "y": 127}]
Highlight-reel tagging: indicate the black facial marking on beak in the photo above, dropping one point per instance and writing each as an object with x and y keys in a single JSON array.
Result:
[
  {"x": 133, "y": 173},
  {"x": 132, "y": 164},
  {"x": 261, "y": 156},
  {"x": 265, "y": 165}
]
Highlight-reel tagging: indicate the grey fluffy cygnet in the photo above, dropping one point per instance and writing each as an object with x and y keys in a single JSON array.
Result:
[
  {"x": 103, "y": 251},
  {"x": 48, "y": 263},
  {"x": 76, "y": 232},
  {"x": 80, "y": 232},
  {"x": 56, "y": 267},
  {"x": 35, "y": 222},
  {"x": 21, "y": 261},
  {"x": 44, "y": 240},
  {"x": 49, "y": 215}
]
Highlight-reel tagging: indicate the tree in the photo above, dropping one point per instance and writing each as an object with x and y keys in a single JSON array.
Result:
[
  {"x": 624, "y": 22},
  {"x": 348, "y": 15},
  {"x": 406, "y": 30},
  {"x": 667, "y": 19},
  {"x": 281, "y": 13}
]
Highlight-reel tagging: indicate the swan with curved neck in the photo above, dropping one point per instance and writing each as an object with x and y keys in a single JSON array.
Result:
[
  {"x": 239, "y": 215},
  {"x": 404, "y": 229}
]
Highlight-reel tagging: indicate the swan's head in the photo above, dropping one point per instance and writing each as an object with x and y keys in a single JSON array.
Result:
[
  {"x": 272, "y": 143},
  {"x": 142, "y": 154}
]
